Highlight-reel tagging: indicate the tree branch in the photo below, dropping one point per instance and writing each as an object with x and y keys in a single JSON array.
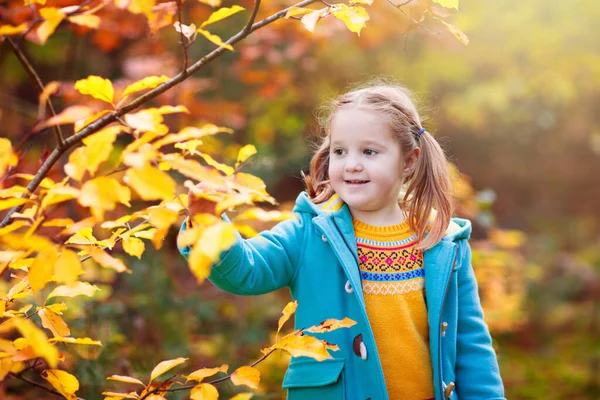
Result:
[
  {"x": 113, "y": 116},
  {"x": 399, "y": 7},
  {"x": 34, "y": 383},
  {"x": 184, "y": 40},
  {"x": 23, "y": 59}
]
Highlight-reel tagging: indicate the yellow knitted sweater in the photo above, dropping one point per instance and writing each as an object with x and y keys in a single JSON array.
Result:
[{"x": 393, "y": 277}]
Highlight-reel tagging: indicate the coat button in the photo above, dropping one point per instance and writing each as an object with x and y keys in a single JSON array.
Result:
[
  {"x": 348, "y": 287},
  {"x": 449, "y": 390},
  {"x": 323, "y": 238},
  {"x": 444, "y": 327},
  {"x": 359, "y": 347}
]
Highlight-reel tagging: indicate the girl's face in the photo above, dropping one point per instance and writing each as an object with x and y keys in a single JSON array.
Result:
[{"x": 366, "y": 166}]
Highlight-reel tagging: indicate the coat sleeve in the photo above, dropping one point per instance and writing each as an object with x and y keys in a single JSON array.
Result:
[
  {"x": 262, "y": 264},
  {"x": 477, "y": 371}
]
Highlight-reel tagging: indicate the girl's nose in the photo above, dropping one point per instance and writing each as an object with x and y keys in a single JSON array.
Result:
[{"x": 353, "y": 164}]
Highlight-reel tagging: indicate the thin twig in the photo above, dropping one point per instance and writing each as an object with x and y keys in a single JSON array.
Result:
[
  {"x": 23, "y": 59},
  {"x": 112, "y": 117},
  {"x": 399, "y": 7},
  {"x": 34, "y": 383},
  {"x": 158, "y": 389},
  {"x": 184, "y": 41}
]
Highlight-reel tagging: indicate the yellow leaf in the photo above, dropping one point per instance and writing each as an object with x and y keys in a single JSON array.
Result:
[
  {"x": 190, "y": 146},
  {"x": 42, "y": 269},
  {"x": 173, "y": 109},
  {"x": 38, "y": 340},
  {"x": 310, "y": 20},
  {"x": 65, "y": 383},
  {"x": 9, "y": 203},
  {"x": 82, "y": 123},
  {"x": 287, "y": 312},
  {"x": 53, "y": 322},
  {"x": 248, "y": 376},
  {"x": 149, "y": 82},
  {"x": 355, "y": 17},
  {"x": 331, "y": 325},
  {"x": 134, "y": 247},
  {"x": 29, "y": 2},
  {"x": 98, "y": 147},
  {"x": 367, "y": 2},
  {"x": 165, "y": 366},
  {"x": 77, "y": 164},
  {"x": 58, "y": 194},
  {"x": 145, "y": 121},
  {"x": 105, "y": 259},
  {"x": 13, "y": 191},
  {"x": 125, "y": 379},
  {"x": 204, "y": 391},
  {"x": 215, "y": 39},
  {"x": 243, "y": 396},
  {"x": 221, "y": 14},
  {"x": 162, "y": 217},
  {"x": 262, "y": 215},
  {"x": 18, "y": 289},
  {"x": 53, "y": 17},
  {"x": 464, "y": 39},
  {"x": 10, "y": 30},
  {"x": 297, "y": 11},
  {"x": 202, "y": 373},
  {"x": 70, "y": 340},
  {"x": 141, "y": 6},
  {"x": 102, "y": 194},
  {"x": 68, "y": 268},
  {"x": 8, "y": 158},
  {"x": 245, "y": 152},
  {"x": 303, "y": 346},
  {"x": 447, "y": 3},
  {"x": 119, "y": 396},
  {"x": 193, "y": 169},
  {"x": 78, "y": 289},
  {"x": 214, "y": 240},
  {"x": 83, "y": 236},
  {"x": 215, "y": 164},
  {"x": 151, "y": 183},
  {"x": 97, "y": 87},
  {"x": 189, "y": 31},
  {"x": 69, "y": 115},
  {"x": 190, "y": 133},
  {"x": 58, "y": 308},
  {"x": 91, "y": 21}
]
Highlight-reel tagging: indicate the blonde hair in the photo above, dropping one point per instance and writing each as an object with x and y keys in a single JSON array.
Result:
[{"x": 428, "y": 185}]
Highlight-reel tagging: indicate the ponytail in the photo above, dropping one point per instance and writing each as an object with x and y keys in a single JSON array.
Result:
[{"x": 429, "y": 191}]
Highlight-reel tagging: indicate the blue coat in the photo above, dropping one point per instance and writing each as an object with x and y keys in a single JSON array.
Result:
[{"x": 315, "y": 256}]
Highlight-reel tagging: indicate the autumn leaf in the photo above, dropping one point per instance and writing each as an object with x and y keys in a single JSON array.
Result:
[
  {"x": 150, "y": 183},
  {"x": 204, "y": 391},
  {"x": 42, "y": 269},
  {"x": 91, "y": 21},
  {"x": 215, "y": 164},
  {"x": 105, "y": 259},
  {"x": 83, "y": 341},
  {"x": 331, "y": 325},
  {"x": 366, "y": 2},
  {"x": 67, "y": 268},
  {"x": 69, "y": 115},
  {"x": 221, "y": 14},
  {"x": 65, "y": 383},
  {"x": 134, "y": 246},
  {"x": 287, "y": 312},
  {"x": 191, "y": 133},
  {"x": 245, "y": 152},
  {"x": 54, "y": 322},
  {"x": 10, "y": 30},
  {"x": 149, "y": 82},
  {"x": 38, "y": 340},
  {"x": 98, "y": 147},
  {"x": 303, "y": 346},
  {"x": 125, "y": 379},
  {"x": 202, "y": 373},
  {"x": 447, "y": 3},
  {"x": 189, "y": 31},
  {"x": 248, "y": 376},
  {"x": 9, "y": 203},
  {"x": 460, "y": 35},
  {"x": 298, "y": 11},
  {"x": 78, "y": 289},
  {"x": 165, "y": 366},
  {"x": 310, "y": 20},
  {"x": 214, "y": 240},
  {"x": 215, "y": 39},
  {"x": 355, "y": 18},
  {"x": 102, "y": 194},
  {"x": 52, "y": 18},
  {"x": 97, "y": 87},
  {"x": 148, "y": 120},
  {"x": 120, "y": 396},
  {"x": 162, "y": 217}
]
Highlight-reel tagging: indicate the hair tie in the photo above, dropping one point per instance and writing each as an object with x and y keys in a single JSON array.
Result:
[{"x": 420, "y": 132}]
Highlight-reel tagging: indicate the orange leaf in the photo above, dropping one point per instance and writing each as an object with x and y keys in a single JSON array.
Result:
[
  {"x": 10, "y": 30},
  {"x": 54, "y": 322},
  {"x": 53, "y": 17},
  {"x": 102, "y": 194},
  {"x": 331, "y": 325},
  {"x": 91, "y": 21},
  {"x": 165, "y": 366},
  {"x": 38, "y": 340},
  {"x": 125, "y": 379},
  {"x": 151, "y": 183},
  {"x": 69, "y": 115},
  {"x": 204, "y": 391},
  {"x": 105, "y": 259},
  {"x": 65, "y": 383},
  {"x": 288, "y": 311},
  {"x": 202, "y": 373}
]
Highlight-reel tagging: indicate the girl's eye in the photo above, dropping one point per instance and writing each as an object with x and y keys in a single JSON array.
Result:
[
  {"x": 338, "y": 152},
  {"x": 370, "y": 152}
]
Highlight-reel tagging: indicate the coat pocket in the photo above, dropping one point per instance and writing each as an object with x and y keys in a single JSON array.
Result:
[{"x": 311, "y": 379}]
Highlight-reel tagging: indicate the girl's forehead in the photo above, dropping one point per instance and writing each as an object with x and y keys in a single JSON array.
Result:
[{"x": 359, "y": 125}]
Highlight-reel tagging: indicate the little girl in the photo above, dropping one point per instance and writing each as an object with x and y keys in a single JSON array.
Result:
[{"x": 399, "y": 266}]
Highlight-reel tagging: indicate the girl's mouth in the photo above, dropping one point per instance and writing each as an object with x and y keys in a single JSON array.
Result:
[{"x": 355, "y": 182}]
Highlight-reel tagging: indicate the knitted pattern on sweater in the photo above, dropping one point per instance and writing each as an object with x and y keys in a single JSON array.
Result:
[{"x": 393, "y": 278}]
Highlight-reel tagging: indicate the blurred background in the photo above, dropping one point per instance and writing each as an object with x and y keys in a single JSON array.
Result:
[{"x": 517, "y": 111}]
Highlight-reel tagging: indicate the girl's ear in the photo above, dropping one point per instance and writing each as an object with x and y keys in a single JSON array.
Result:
[{"x": 410, "y": 161}]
